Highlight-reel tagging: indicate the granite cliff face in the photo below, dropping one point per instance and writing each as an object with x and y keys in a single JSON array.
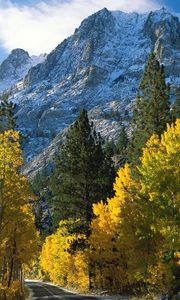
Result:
[
  {"x": 99, "y": 67},
  {"x": 14, "y": 68},
  {"x": 164, "y": 32}
]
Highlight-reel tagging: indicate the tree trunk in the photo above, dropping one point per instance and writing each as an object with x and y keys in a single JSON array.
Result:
[{"x": 12, "y": 262}]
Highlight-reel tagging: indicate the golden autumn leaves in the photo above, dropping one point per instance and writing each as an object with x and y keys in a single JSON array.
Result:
[
  {"x": 18, "y": 236},
  {"x": 134, "y": 242}
]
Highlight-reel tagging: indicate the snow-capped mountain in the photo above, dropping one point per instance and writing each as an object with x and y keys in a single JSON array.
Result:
[
  {"x": 99, "y": 67},
  {"x": 16, "y": 66}
]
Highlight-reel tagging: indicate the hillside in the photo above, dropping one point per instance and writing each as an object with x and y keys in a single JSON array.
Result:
[{"x": 99, "y": 68}]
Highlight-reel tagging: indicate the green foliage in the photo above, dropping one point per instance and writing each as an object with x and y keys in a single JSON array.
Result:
[
  {"x": 176, "y": 106},
  {"x": 112, "y": 114},
  {"x": 152, "y": 110},
  {"x": 40, "y": 187},
  {"x": 7, "y": 119},
  {"x": 40, "y": 184},
  {"x": 132, "y": 239},
  {"x": 133, "y": 246},
  {"x": 83, "y": 174},
  {"x": 109, "y": 148},
  {"x": 122, "y": 142}
]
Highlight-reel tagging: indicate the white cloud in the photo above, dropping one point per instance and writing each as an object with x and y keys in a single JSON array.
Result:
[{"x": 41, "y": 27}]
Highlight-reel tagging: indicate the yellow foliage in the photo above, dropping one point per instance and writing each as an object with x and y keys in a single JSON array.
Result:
[
  {"x": 134, "y": 239},
  {"x": 160, "y": 187},
  {"x": 161, "y": 183},
  {"x": 15, "y": 292},
  {"x": 135, "y": 232},
  {"x": 18, "y": 236},
  {"x": 78, "y": 273},
  {"x": 56, "y": 259},
  {"x": 107, "y": 252}
]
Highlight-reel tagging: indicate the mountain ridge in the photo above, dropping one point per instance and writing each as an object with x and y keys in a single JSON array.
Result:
[
  {"x": 99, "y": 68},
  {"x": 14, "y": 68}
]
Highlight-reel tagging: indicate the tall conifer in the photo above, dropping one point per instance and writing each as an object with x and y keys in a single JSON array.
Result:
[
  {"x": 152, "y": 110},
  {"x": 7, "y": 118},
  {"x": 176, "y": 106},
  {"x": 83, "y": 174}
]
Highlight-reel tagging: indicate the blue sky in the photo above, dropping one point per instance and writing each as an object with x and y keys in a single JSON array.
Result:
[
  {"x": 38, "y": 26},
  {"x": 173, "y": 4}
]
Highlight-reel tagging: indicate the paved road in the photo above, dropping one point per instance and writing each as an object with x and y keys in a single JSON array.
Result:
[{"x": 42, "y": 291}]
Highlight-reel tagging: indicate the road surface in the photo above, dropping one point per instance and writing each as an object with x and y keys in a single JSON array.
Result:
[{"x": 42, "y": 291}]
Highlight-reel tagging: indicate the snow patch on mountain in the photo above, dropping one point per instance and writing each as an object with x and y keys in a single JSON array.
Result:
[
  {"x": 16, "y": 66},
  {"x": 99, "y": 68}
]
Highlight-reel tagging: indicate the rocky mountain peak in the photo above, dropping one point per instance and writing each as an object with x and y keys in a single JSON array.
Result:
[
  {"x": 92, "y": 34},
  {"x": 15, "y": 61},
  {"x": 99, "y": 68},
  {"x": 96, "y": 24},
  {"x": 15, "y": 67},
  {"x": 161, "y": 14},
  {"x": 163, "y": 29},
  {"x": 19, "y": 54},
  {"x": 161, "y": 24}
]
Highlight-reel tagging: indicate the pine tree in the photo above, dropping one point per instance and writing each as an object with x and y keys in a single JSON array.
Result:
[
  {"x": 40, "y": 187},
  {"x": 176, "y": 106},
  {"x": 7, "y": 118},
  {"x": 134, "y": 242},
  {"x": 83, "y": 174},
  {"x": 152, "y": 110},
  {"x": 121, "y": 145},
  {"x": 109, "y": 148}
]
